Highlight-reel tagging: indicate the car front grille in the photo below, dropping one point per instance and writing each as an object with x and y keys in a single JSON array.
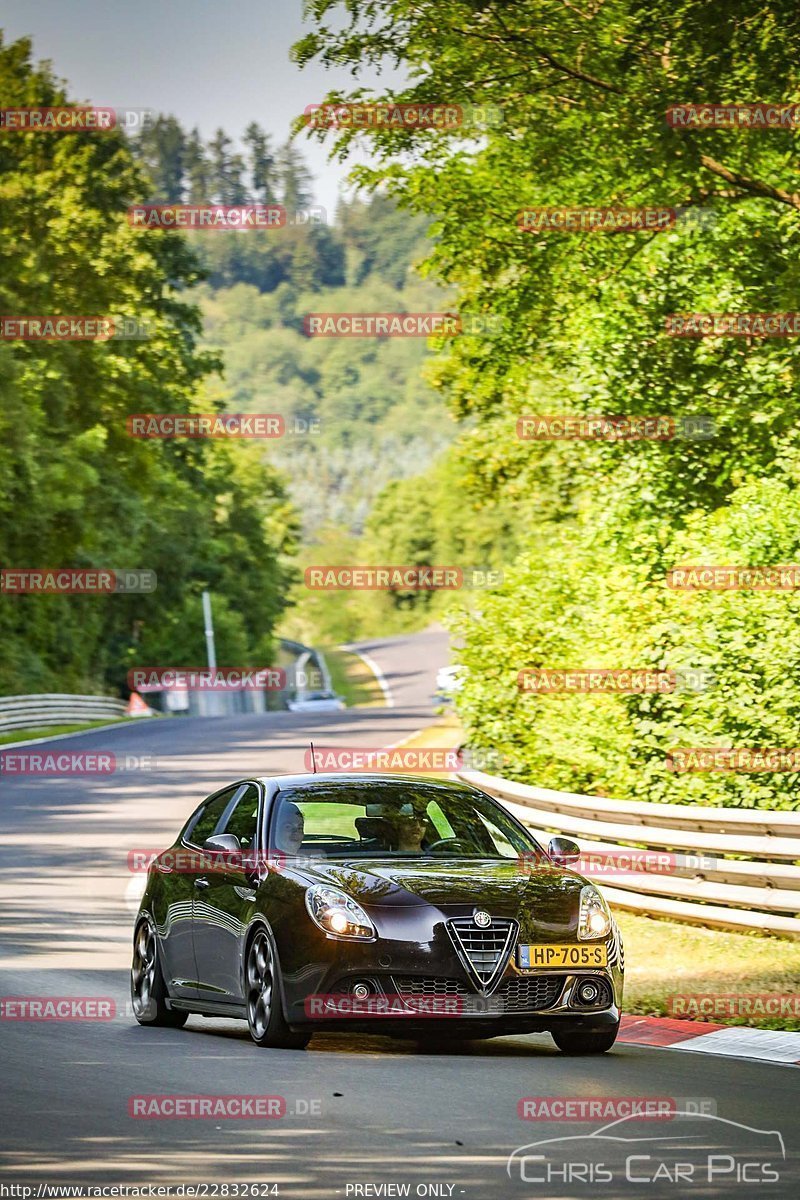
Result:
[
  {"x": 516, "y": 994},
  {"x": 417, "y": 986},
  {"x": 529, "y": 992},
  {"x": 486, "y": 951}
]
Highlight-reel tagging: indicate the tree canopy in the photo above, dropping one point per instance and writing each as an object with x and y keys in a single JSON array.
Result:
[
  {"x": 579, "y": 96},
  {"x": 77, "y": 490}
]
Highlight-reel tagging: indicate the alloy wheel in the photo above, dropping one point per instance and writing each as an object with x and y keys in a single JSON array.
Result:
[
  {"x": 260, "y": 979},
  {"x": 143, "y": 972}
]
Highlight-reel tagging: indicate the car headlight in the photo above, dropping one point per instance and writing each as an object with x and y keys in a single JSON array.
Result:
[
  {"x": 337, "y": 914},
  {"x": 594, "y": 919}
]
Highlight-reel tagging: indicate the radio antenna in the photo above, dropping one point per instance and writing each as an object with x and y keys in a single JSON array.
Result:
[{"x": 313, "y": 759}]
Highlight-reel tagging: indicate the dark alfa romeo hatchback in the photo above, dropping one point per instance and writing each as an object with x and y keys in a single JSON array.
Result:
[{"x": 380, "y": 903}]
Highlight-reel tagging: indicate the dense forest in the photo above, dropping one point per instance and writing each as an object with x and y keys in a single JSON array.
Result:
[
  {"x": 228, "y": 315},
  {"x": 590, "y": 530},
  {"x": 370, "y": 416},
  {"x": 410, "y": 451},
  {"x": 76, "y": 489}
]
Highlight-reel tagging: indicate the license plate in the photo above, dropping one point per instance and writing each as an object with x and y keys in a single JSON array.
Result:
[{"x": 530, "y": 958}]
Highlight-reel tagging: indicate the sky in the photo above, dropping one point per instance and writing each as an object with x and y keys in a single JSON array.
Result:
[{"x": 209, "y": 64}]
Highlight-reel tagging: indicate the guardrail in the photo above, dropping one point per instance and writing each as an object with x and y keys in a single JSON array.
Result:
[
  {"x": 54, "y": 708},
  {"x": 759, "y": 889}
]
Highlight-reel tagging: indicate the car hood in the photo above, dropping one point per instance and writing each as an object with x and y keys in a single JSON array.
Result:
[{"x": 544, "y": 899}]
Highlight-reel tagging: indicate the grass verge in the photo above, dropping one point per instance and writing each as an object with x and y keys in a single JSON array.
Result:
[
  {"x": 665, "y": 958},
  {"x": 445, "y": 734},
  {"x": 352, "y": 679},
  {"x": 23, "y": 735}
]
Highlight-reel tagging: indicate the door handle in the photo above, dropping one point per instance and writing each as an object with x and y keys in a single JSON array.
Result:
[{"x": 201, "y": 883}]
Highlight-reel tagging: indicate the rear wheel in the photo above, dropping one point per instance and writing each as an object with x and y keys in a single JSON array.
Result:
[
  {"x": 265, "y": 1018},
  {"x": 580, "y": 1041},
  {"x": 148, "y": 990}
]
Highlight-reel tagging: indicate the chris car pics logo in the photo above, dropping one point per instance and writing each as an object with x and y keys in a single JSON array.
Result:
[{"x": 693, "y": 1151}]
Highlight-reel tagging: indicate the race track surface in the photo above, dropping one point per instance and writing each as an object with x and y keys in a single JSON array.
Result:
[{"x": 362, "y": 1113}]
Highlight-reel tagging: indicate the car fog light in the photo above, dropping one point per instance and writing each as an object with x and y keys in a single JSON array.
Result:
[
  {"x": 361, "y": 991},
  {"x": 588, "y": 992}
]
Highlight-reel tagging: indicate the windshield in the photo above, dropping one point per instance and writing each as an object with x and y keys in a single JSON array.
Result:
[{"x": 341, "y": 820}]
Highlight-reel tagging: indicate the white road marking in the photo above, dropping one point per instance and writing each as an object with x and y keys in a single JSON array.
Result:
[{"x": 376, "y": 671}]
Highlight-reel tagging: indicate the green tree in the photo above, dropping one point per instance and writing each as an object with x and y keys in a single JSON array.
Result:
[
  {"x": 571, "y": 108},
  {"x": 261, "y": 163},
  {"x": 226, "y": 170},
  {"x": 198, "y": 171},
  {"x": 296, "y": 181},
  {"x": 77, "y": 490},
  {"x": 161, "y": 146}
]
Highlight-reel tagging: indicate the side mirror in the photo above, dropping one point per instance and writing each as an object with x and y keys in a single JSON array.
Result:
[
  {"x": 223, "y": 843},
  {"x": 563, "y": 851}
]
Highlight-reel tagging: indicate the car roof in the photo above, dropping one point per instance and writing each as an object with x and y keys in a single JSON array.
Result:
[{"x": 309, "y": 778}]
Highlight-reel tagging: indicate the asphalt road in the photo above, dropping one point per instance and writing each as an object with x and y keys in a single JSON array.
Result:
[{"x": 365, "y": 1116}]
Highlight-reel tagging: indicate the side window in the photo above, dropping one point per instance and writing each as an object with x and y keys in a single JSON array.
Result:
[
  {"x": 242, "y": 819},
  {"x": 439, "y": 821},
  {"x": 205, "y": 824}
]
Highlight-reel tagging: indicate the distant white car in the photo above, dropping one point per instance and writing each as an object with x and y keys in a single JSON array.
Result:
[
  {"x": 313, "y": 702},
  {"x": 449, "y": 680}
]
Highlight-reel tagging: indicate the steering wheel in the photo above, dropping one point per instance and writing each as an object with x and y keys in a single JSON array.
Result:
[{"x": 452, "y": 841}]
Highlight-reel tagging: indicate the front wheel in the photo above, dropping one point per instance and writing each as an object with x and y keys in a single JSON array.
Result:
[
  {"x": 579, "y": 1041},
  {"x": 148, "y": 990},
  {"x": 265, "y": 1018}
]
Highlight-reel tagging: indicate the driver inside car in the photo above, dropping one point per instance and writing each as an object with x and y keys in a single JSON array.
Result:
[
  {"x": 408, "y": 831},
  {"x": 290, "y": 829}
]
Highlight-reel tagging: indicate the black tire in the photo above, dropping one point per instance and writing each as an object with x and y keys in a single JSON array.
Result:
[
  {"x": 579, "y": 1041},
  {"x": 148, "y": 990},
  {"x": 262, "y": 983}
]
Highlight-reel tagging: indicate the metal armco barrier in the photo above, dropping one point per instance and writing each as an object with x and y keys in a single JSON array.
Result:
[
  {"x": 759, "y": 889},
  {"x": 30, "y": 712}
]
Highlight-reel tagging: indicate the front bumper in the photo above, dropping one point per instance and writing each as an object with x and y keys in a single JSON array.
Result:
[{"x": 414, "y": 986}]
